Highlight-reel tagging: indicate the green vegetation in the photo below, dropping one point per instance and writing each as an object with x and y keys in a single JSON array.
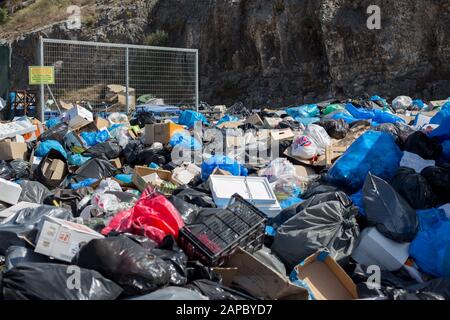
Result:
[{"x": 157, "y": 38}]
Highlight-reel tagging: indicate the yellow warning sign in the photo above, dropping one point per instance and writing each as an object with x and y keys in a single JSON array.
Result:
[{"x": 41, "y": 75}]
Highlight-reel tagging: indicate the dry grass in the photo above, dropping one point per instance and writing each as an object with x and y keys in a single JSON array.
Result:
[{"x": 42, "y": 13}]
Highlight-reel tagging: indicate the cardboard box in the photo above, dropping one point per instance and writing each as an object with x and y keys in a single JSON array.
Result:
[
  {"x": 13, "y": 150},
  {"x": 141, "y": 172},
  {"x": 101, "y": 123},
  {"x": 375, "y": 249},
  {"x": 161, "y": 132},
  {"x": 271, "y": 123},
  {"x": 9, "y": 191},
  {"x": 78, "y": 117},
  {"x": 281, "y": 135},
  {"x": 185, "y": 174},
  {"x": 62, "y": 239},
  {"x": 260, "y": 280},
  {"x": 116, "y": 163},
  {"x": 227, "y": 275},
  {"x": 73, "y": 139},
  {"x": 255, "y": 120},
  {"x": 326, "y": 279},
  {"x": 54, "y": 169}
]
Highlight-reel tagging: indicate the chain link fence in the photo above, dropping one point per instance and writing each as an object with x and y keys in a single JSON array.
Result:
[{"x": 117, "y": 77}]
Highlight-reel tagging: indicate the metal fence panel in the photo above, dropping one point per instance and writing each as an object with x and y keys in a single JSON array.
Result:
[{"x": 83, "y": 70}]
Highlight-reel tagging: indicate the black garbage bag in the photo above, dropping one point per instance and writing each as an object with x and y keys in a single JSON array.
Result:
[
  {"x": 419, "y": 143},
  {"x": 172, "y": 294},
  {"x": 21, "y": 168},
  {"x": 131, "y": 152},
  {"x": 197, "y": 271},
  {"x": 328, "y": 225},
  {"x": 16, "y": 255},
  {"x": 149, "y": 155},
  {"x": 23, "y": 224},
  {"x": 136, "y": 269},
  {"x": 49, "y": 281},
  {"x": 316, "y": 199},
  {"x": 109, "y": 150},
  {"x": 216, "y": 291},
  {"x": 388, "y": 211},
  {"x": 318, "y": 188},
  {"x": 6, "y": 172},
  {"x": 439, "y": 179},
  {"x": 188, "y": 211},
  {"x": 403, "y": 132},
  {"x": 33, "y": 191},
  {"x": 175, "y": 259},
  {"x": 391, "y": 129},
  {"x": 414, "y": 188},
  {"x": 440, "y": 286},
  {"x": 69, "y": 199},
  {"x": 96, "y": 169},
  {"x": 336, "y": 129},
  {"x": 39, "y": 173},
  {"x": 142, "y": 118},
  {"x": 195, "y": 196},
  {"x": 290, "y": 124},
  {"x": 57, "y": 133}
]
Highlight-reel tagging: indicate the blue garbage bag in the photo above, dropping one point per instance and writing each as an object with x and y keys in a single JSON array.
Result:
[
  {"x": 94, "y": 138},
  {"x": 431, "y": 247},
  {"x": 307, "y": 121},
  {"x": 286, "y": 203},
  {"x": 189, "y": 118},
  {"x": 419, "y": 103},
  {"x": 44, "y": 148},
  {"x": 441, "y": 115},
  {"x": 82, "y": 184},
  {"x": 306, "y": 111},
  {"x": 358, "y": 200},
  {"x": 52, "y": 122},
  {"x": 227, "y": 118},
  {"x": 126, "y": 178},
  {"x": 77, "y": 159},
  {"x": 224, "y": 163},
  {"x": 345, "y": 117},
  {"x": 443, "y": 131},
  {"x": 446, "y": 149},
  {"x": 374, "y": 152},
  {"x": 185, "y": 141},
  {"x": 359, "y": 113},
  {"x": 386, "y": 117}
]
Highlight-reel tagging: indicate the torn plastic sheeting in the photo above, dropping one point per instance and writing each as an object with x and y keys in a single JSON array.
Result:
[
  {"x": 153, "y": 215},
  {"x": 48, "y": 281},
  {"x": 388, "y": 211},
  {"x": 328, "y": 225},
  {"x": 374, "y": 152}
]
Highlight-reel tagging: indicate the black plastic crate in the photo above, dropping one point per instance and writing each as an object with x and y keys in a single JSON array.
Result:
[{"x": 211, "y": 242}]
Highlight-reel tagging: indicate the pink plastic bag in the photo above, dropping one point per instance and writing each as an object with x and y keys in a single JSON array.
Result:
[{"x": 153, "y": 216}]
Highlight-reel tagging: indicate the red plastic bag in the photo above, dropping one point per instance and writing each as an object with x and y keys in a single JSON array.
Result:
[{"x": 153, "y": 216}]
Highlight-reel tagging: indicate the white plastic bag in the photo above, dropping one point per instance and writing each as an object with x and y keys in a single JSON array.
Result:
[
  {"x": 303, "y": 147},
  {"x": 108, "y": 185},
  {"x": 320, "y": 137},
  {"x": 416, "y": 162},
  {"x": 276, "y": 169},
  {"x": 106, "y": 203},
  {"x": 402, "y": 103},
  {"x": 118, "y": 118}
]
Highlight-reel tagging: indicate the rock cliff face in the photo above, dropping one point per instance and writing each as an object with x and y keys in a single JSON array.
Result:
[{"x": 282, "y": 52}]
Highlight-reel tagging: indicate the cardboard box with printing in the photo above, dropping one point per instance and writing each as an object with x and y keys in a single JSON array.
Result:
[{"x": 78, "y": 117}]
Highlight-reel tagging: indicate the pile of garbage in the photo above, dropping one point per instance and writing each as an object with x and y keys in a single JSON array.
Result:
[{"x": 338, "y": 200}]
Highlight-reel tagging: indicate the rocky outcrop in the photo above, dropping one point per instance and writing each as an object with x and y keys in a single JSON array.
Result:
[{"x": 282, "y": 52}]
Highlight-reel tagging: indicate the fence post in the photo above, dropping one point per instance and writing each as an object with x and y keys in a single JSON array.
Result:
[
  {"x": 196, "y": 81},
  {"x": 127, "y": 78},
  {"x": 42, "y": 92}
]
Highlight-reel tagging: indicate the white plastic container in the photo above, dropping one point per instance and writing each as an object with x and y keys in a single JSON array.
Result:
[
  {"x": 376, "y": 249},
  {"x": 9, "y": 191}
]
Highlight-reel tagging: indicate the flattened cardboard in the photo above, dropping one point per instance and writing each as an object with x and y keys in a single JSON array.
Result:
[
  {"x": 326, "y": 279},
  {"x": 12, "y": 150},
  {"x": 262, "y": 281}
]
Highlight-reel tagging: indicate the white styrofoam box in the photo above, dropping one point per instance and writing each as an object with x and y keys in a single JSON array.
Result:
[
  {"x": 256, "y": 190},
  {"x": 62, "y": 239},
  {"x": 9, "y": 191},
  {"x": 376, "y": 249},
  {"x": 250, "y": 188}
]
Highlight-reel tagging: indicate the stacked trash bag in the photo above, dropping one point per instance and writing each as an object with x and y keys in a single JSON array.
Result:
[{"x": 95, "y": 233}]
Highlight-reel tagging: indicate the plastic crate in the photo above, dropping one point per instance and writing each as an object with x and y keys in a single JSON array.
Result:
[{"x": 213, "y": 241}]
